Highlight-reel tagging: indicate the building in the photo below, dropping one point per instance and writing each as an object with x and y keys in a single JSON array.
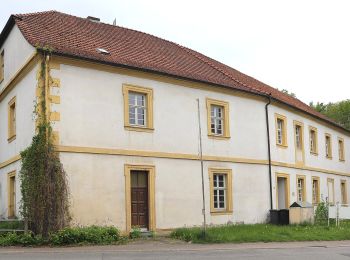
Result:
[{"x": 123, "y": 105}]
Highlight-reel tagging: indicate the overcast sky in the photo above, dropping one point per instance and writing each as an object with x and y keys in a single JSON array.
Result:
[{"x": 302, "y": 46}]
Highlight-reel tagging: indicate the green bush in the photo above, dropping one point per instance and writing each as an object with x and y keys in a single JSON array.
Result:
[
  {"x": 85, "y": 235},
  {"x": 13, "y": 239},
  {"x": 67, "y": 236},
  {"x": 135, "y": 233},
  {"x": 321, "y": 214}
]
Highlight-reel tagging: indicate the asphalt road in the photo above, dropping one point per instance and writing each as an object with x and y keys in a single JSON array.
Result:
[{"x": 161, "y": 250}]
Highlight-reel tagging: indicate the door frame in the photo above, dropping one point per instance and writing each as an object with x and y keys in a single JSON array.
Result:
[
  {"x": 287, "y": 191},
  {"x": 11, "y": 212},
  {"x": 150, "y": 169}
]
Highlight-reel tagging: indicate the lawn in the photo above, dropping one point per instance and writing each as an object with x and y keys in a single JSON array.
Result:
[{"x": 263, "y": 233}]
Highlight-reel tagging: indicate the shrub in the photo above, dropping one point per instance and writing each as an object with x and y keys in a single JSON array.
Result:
[
  {"x": 66, "y": 236},
  {"x": 321, "y": 214},
  {"x": 85, "y": 235},
  {"x": 13, "y": 239},
  {"x": 135, "y": 233}
]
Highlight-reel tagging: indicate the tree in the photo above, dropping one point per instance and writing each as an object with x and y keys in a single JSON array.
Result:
[
  {"x": 285, "y": 91},
  {"x": 339, "y": 111}
]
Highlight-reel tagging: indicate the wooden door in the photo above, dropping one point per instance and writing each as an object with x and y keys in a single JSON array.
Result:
[{"x": 139, "y": 199}]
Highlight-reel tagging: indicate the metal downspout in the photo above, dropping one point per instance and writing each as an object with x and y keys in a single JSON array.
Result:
[{"x": 269, "y": 146}]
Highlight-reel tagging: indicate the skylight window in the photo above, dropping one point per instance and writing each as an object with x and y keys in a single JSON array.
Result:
[{"x": 102, "y": 51}]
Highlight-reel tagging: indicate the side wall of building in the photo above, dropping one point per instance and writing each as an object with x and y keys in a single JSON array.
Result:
[
  {"x": 25, "y": 96},
  {"x": 16, "y": 51},
  {"x": 96, "y": 146}
]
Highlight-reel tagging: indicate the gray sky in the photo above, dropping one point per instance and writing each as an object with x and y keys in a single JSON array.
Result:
[{"x": 301, "y": 45}]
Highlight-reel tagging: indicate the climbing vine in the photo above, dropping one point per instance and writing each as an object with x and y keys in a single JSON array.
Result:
[{"x": 44, "y": 188}]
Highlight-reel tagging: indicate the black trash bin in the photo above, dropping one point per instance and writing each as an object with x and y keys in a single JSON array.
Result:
[
  {"x": 283, "y": 217},
  {"x": 274, "y": 216}
]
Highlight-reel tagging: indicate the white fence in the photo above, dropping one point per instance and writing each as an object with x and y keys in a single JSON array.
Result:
[{"x": 338, "y": 212}]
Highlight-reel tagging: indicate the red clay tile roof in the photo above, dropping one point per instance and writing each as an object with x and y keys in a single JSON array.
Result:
[{"x": 79, "y": 37}]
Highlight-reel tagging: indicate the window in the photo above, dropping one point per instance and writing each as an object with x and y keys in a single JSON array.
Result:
[
  {"x": 2, "y": 65},
  {"x": 12, "y": 119},
  {"x": 11, "y": 194},
  {"x": 315, "y": 190},
  {"x": 138, "y": 108},
  {"x": 328, "y": 146},
  {"x": 330, "y": 187},
  {"x": 313, "y": 140},
  {"x": 220, "y": 191},
  {"x": 344, "y": 193},
  {"x": 281, "y": 130},
  {"x": 341, "y": 149},
  {"x": 301, "y": 192},
  {"x": 298, "y": 133},
  {"x": 218, "y": 118}
]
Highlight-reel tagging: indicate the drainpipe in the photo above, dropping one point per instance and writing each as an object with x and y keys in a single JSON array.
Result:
[{"x": 269, "y": 145}]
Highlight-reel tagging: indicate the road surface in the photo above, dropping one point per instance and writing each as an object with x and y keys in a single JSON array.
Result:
[{"x": 167, "y": 249}]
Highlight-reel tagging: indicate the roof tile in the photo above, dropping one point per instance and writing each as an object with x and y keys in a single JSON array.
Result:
[{"x": 80, "y": 37}]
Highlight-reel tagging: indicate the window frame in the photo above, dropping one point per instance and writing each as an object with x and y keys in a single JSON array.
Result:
[
  {"x": 344, "y": 196},
  {"x": 314, "y": 129},
  {"x": 330, "y": 152},
  {"x": 318, "y": 197},
  {"x": 301, "y": 177},
  {"x": 2, "y": 65},
  {"x": 228, "y": 208},
  {"x": 226, "y": 118},
  {"x": 330, "y": 181},
  {"x": 284, "y": 140},
  {"x": 342, "y": 149},
  {"x": 11, "y": 119},
  {"x": 11, "y": 211},
  {"x": 148, "y": 92}
]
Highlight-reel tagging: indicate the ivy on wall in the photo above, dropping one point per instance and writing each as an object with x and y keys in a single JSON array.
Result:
[{"x": 44, "y": 188}]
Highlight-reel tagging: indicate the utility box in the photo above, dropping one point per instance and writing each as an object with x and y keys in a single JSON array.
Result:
[
  {"x": 279, "y": 217},
  {"x": 301, "y": 212}
]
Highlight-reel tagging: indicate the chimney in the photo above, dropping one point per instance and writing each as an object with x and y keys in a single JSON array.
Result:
[{"x": 93, "y": 19}]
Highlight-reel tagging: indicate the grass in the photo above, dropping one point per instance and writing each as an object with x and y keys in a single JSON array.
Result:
[{"x": 263, "y": 233}]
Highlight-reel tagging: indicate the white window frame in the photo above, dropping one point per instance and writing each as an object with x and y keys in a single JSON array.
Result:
[
  {"x": 136, "y": 108},
  {"x": 217, "y": 189},
  {"x": 280, "y": 127},
  {"x": 300, "y": 189},
  {"x": 298, "y": 137},
  {"x": 217, "y": 119}
]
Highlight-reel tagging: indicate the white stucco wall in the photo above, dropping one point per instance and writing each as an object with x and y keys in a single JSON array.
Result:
[
  {"x": 318, "y": 161},
  {"x": 178, "y": 191},
  {"x": 25, "y": 129},
  {"x": 25, "y": 124},
  {"x": 309, "y": 174},
  {"x": 16, "y": 52},
  {"x": 92, "y": 115},
  {"x": 98, "y": 118}
]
